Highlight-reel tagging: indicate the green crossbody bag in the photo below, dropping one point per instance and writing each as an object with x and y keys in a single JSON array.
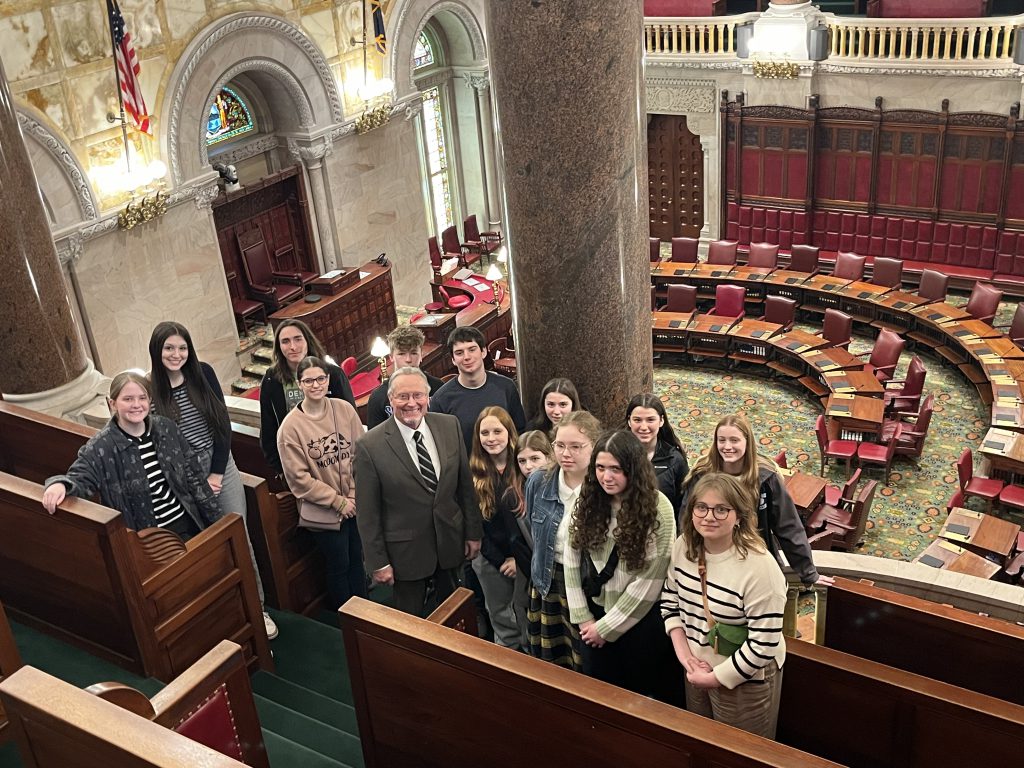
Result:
[{"x": 725, "y": 639}]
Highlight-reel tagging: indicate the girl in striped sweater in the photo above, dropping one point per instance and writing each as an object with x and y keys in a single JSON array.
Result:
[
  {"x": 722, "y": 578},
  {"x": 624, "y": 526}
]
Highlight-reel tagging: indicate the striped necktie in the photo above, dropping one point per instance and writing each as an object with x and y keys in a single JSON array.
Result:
[{"x": 426, "y": 465}]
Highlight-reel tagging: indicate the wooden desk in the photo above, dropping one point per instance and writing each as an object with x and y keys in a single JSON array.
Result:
[
  {"x": 348, "y": 322},
  {"x": 1008, "y": 415},
  {"x": 899, "y": 301},
  {"x": 977, "y": 329},
  {"x": 831, "y": 359},
  {"x": 709, "y": 335},
  {"x": 980, "y": 533},
  {"x": 855, "y": 414},
  {"x": 754, "y": 330},
  {"x": 704, "y": 270},
  {"x": 755, "y": 274},
  {"x": 854, "y": 383},
  {"x": 1004, "y": 450},
  {"x": 862, "y": 290},
  {"x": 947, "y": 556},
  {"x": 826, "y": 283},
  {"x": 807, "y": 491},
  {"x": 797, "y": 341},
  {"x": 994, "y": 347},
  {"x": 668, "y": 330},
  {"x": 939, "y": 313},
  {"x": 750, "y": 340}
]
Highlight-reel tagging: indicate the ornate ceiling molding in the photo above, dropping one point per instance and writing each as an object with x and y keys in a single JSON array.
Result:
[
  {"x": 67, "y": 161},
  {"x": 881, "y": 69},
  {"x": 240, "y": 152}
]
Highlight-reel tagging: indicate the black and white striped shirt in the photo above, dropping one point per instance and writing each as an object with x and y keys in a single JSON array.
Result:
[
  {"x": 166, "y": 507},
  {"x": 749, "y": 591},
  {"x": 191, "y": 422}
]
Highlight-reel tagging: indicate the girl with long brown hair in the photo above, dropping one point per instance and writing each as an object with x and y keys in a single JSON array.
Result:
[
  {"x": 499, "y": 491},
  {"x": 615, "y": 564}
]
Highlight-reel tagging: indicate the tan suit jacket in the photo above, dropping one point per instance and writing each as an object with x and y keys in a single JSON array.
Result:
[{"x": 400, "y": 522}]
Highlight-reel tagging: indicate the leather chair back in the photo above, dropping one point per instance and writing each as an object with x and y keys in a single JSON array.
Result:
[
  {"x": 780, "y": 310},
  {"x": 837, "y": 327},
  {"x": 450, "y": 240},
  {"x": 681, "y": 298},
  {"x": 470, "y": 228},
  {"x": 435, "y": 252},
  {"x": 729, "y": 301},
  {"x": 849, "y": 266},
  {"x": 684, "y": 249},
  {"x": 804, "y": 258},
  {"x": 655, "y": 245},
  {"x": 886, "y": 353},
  {"x": 763, "y": 255},
  {"x": 984, "y": 302},
  {"x": 933, "y": 286},
  {"x": 1016, "y": 332},
  {"x": 887, "y": 272},
  {"x": 722, "y": 252},
  {"x": 213, "y": 725}
]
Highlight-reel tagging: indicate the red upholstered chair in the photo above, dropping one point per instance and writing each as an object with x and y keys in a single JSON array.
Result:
[
  {"x": 984, "y": 302},
  {"x": 933, "y": 285},
  {"x": 435, "y": 253},
  {"x": 908, "y": 396},
  {"x": 729, "y": 301},
  {"x": 849, "y": 266},
  {"x": 684, "y": 249},
  {"x": 880, "y": 454},
  {"x": 242, "y": 307},
  {"x": 681, "y": 298},
  {"x": 477, "y": 241},
  {"x": 722, "y": 252},
  {"x": 655, "y": 245},
  {"x": 837, "y": 328},
  {"x": 804, "y": 258},
  {"x": 456, "y": 302},
  {"x": 763, "y": 255},
  {"x": 885, "y": 355},
  {"x": 272, "y": 288},
  {"x": 452, "y": 247},
  {"x": 780, "y": 459},
  {"x": 911, "y": 440},
  {"x": 986, "y": 488},
  {"x": 779, "y": 310},
  {"x": 846, "y": 522},
  {"x": 684, "y": 7},
  {"x": 833, "y": 449},
  {"x": 349, "y": 365},
  {"x": 835, "y": 494},
  {"x": 1012, "y": 496},
  {"x": 887, "y": 272},
  {"x": 956, "y": 500},
  {"x": 1015, "y": 330}
]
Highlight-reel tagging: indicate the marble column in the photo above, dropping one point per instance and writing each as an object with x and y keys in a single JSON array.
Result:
[
  {"x": 41, "y": 344},
  {"x": 485, "y": 119},
  {"x": 567, "y": 77},
  {"x": 312, "y": 157}
]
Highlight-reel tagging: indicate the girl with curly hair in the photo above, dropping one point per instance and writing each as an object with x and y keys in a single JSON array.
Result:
[
  {"x": 499, "y": 491},
  {"x": 615, "y": 565},
  {"x": 733, "y": 654}
]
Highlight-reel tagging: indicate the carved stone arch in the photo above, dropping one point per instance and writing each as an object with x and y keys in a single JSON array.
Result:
[
  {"x": 293, "y": 65},
  {"x": 412, "y": 16},
  {"x": 68, "y": 195}
]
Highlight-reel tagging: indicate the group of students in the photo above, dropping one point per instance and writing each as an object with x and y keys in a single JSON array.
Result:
[{"x": 580, "y": 562}]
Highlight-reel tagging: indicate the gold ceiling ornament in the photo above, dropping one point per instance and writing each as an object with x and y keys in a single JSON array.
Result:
[
  {"x": 776, "y": 70},
  {"x": 373, "y": 118},
  {"x": 147, "y": 209}
]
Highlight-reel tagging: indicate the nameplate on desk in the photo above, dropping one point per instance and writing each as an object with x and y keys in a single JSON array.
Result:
[
  {"x": 958, "y": 530},
  {"x": 759, "y": 334},
  {"x": 935, "y": 316},
  {"x": 675, "y": 324},
  {"x": 796, "y": 346},
  {"x": 481, "y": 288},
  {"x": 830, "y": 286},
  {"x": 900, "y": 305},
  {"x": 719, "y": 273},
  {"x": 844, "y": 389},
  {"x": 865, "y": 295},
  {"x": 716, "y": 328},
  {"x": 679, "y": 272},
  {"x": 431, "y": 320},
  {"x": 962, "y": 333},
  {"x": 840, "y": 409},
  {"x": 793, "y": 280},
  {"x": 463, "y": 274},
  {"x": 934, "y": 562},
  {"x": 826, "y": 366}
]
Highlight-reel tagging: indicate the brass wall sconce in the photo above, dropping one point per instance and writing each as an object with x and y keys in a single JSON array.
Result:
[
  {"x": 777, "y": 70},
  {"x": 373, "y": 118},
  {"x": 145, "y": 210}
]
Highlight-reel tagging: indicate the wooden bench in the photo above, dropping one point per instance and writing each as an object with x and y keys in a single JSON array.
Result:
[
  {"x": 10, "y": 662},
  {"x": 466, "y": 690},
  {"x": 206, "y": 717},
  {"x": 958, "y": 647},
  {"x": 83, "y": 577},
  {"x": 835, "y": 707},
  {"x": 292, "y": 567}
]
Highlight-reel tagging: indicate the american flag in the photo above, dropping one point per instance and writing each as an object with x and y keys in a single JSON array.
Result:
[
  {"x": 380, "y": 37},
  {"x": 127, "y": 69}
]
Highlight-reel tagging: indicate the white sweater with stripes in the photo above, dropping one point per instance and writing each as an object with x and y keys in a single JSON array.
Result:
[{"x": 750, "y": 590}]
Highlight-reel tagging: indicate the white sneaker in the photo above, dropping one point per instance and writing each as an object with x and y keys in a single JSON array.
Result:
[{"x": 270, "y": 625}]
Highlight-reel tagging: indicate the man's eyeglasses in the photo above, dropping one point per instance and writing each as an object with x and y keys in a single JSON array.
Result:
[
  {"x": 720, "y": 511},
  {"x": 405, "y": 397}
]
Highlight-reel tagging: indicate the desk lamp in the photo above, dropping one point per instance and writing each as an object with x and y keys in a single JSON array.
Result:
[
  {"x": 494, "y": 275},
  {"x": 381, "y": 350}
]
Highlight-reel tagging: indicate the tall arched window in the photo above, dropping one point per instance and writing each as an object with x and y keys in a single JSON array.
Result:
[
  {"x": 229, "y": 117},
  {"x": 423, "y": 53},
  {"x": 435, "y": 149}
]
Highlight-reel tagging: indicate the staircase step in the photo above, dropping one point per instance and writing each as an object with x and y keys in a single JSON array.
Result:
[
  {"x": 312, "y": 655},
  {"x": 243, "y": 384},
  {"x": 283, "y": 752},
  {"x": 256, "y": 368},
  {"x": 305, "y": 701},
  {"x": 309, "y": 732}
]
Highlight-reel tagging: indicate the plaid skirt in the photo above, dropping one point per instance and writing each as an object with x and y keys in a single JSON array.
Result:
[{"x": 552, "y": 636}]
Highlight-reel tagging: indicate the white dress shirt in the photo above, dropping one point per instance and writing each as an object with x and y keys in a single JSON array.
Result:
[{"x": 428, "y": 441}]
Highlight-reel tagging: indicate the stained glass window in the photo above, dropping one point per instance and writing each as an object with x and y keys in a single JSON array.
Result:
[
  {"x": 229, "y": 117},
  {"x": 437, "y": 159},
  {"x": 422, "y": 54}
]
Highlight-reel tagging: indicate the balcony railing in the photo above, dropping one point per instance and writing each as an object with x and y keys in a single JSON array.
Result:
[
  {"x": 980, "y": 43},
  {"x": 691, "y": 36},
  {"x": 935, "y": 41}
]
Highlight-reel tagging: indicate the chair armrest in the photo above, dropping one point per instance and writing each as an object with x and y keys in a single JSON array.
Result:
[
  {"x": 895, "y": 381},
  {"x": 288, "y": 277},
  {"x": 262, "y": 289}
]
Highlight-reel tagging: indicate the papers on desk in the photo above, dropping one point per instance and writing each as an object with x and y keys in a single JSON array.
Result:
[
  {"x": 332, "y": 273},
  {"x": 481, "y": 287},
  {"x": 844, "y": 389},
  {"x": 363, "y": 275},
  {"x": 934, "y": 562},
  {"x": 463, "y": 274},
  {"x": 471, "y": 281}
]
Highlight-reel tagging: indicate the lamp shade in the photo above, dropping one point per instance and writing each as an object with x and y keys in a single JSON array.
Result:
[
  {"x": 380, "y": 348},
  {"x": 493, "y": 273}
]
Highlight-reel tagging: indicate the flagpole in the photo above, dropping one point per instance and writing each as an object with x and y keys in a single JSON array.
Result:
[{"x": 117, "y": 85}]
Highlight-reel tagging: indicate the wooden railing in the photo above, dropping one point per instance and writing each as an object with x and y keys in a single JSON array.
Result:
[
  {"x": 710, "y": 36},
  {"x": 936, "y": 41}
]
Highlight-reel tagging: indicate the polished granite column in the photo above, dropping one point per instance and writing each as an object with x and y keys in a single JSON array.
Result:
[
  {"x": 568, "y": 91},
  {"x": 42, "y": 348}
]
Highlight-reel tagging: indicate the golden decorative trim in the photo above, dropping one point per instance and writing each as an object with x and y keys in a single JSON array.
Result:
[
  {"x": 777, "y": 70},
  {"x": 373, "y": 118},
  {"x": 147, "y": 209}
]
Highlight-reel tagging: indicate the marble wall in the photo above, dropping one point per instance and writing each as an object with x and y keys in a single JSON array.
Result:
[
  {"x": 167, "y": 269},
  {"x": 377, "y": 192}
]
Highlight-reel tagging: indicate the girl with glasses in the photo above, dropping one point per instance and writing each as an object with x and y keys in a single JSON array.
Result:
[
  {"x": 187, "y": 391},
  {"x": 615, "y": 564},
  {"x": 551, "y": 498},
  {"x": 499, "y": 491},
  {"x": 141, "y": 465},
  {"x": 646, "y": 418},
  {"x": 722, "y": 607},
  {"x": 734, "y": 453},
  {"x": 316, "y": 443},
  {"x": 280, "y": 391}
]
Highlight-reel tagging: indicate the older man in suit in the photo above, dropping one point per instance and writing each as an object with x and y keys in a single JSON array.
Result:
[{"x": 417, "y": 511}]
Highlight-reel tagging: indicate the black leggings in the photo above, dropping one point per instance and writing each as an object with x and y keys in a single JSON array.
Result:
[{"x": 642, "y": 661}]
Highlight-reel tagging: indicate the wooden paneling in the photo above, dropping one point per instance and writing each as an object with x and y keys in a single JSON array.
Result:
[{"x": 676, "y": 178}]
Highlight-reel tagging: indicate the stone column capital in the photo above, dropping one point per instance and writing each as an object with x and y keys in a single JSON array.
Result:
[
  {"x": 311, "y": 153},
  {"x": 478, "y": 81},
  {"x": 69, "y": 248}
]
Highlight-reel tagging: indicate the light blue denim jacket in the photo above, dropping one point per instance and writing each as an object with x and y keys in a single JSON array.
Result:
[{"x": 545, "y": 510}]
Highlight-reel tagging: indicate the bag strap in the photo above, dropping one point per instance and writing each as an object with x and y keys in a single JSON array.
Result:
[
  {"x": 702, "y": 569},
  {"x": 609, "y": 568}
]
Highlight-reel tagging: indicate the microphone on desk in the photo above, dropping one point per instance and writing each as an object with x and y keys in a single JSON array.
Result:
[{"x": 382, "y": 260}]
